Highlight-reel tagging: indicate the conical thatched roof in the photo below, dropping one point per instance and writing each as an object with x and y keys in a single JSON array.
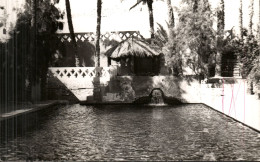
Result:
[{"x": 133, "y": 47}]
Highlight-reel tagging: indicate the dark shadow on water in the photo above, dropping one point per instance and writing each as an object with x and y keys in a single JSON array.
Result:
[{"x": 21, "y": 125}]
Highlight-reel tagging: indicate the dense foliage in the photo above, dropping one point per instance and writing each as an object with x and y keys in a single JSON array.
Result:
[
  {"x": 195, "y": 32},
  {"x": 27, "y": 54},
  {"x": 197, "y": 44},
  {"x": 193, "y": 39}
]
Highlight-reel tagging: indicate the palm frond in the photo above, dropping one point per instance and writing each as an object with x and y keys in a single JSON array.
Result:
[
  {"x": 162, "y": 32},
  {"x": 133, "y": 47},
  {"x": 137, "y": 3},
  {"x": 161, "y": 36}
]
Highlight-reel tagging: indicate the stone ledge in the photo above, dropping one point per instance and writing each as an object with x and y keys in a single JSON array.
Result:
[
  {"x": 255, "y": 129},
  {"x": 219, "y": 80},
  {"x": 33, "y": 108}
]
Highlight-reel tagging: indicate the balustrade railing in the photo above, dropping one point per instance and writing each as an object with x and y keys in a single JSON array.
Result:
[
  {"x": 90, "y": 36},
  {"x": 81, "y": 72}
]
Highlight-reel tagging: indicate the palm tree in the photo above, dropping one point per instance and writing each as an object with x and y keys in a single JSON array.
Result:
[
  {"x": 241, "y": 19},
  {"x": 99, "y": 9},
  {"x": 149, "y": 4},
  {"x": 220, "y": 33},
  {"x": 72, "y": 34}
]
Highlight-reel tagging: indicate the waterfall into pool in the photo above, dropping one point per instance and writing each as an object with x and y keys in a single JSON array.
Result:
[{"x": 157, "y": 98}]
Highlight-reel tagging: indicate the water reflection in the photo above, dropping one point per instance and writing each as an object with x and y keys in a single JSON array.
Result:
[
  {"x": 157, "y": 113},
  {"x": 133, "y": 133}
]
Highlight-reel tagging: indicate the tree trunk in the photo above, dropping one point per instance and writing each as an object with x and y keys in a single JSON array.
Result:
[
  {"x": 259, "y": 24},
  {"x": 31, "y": 68},
  {"x": 195, "y": 5},
  {"x": 151, "y": 19},
  {"x": 241, "y": 20},
  {"x": 250, "y": 26},
  {"x": 72, "y": 34},
  {"x": 221, "y": 17},
  {"x": 251, "y": 14},
  {"x": 220, "y": 35},
  {"x": 99, "y": 9},
  {"x": 177, "y": 69}
]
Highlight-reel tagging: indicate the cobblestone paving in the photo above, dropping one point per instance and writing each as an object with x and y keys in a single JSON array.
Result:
[{"x": 187, "y": 132}]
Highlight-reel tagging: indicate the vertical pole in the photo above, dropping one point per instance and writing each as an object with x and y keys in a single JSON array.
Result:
[{"x": 99, "y": 9}]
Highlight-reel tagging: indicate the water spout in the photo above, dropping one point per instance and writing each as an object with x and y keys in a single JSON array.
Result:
[{"x": 157, "y": 98}]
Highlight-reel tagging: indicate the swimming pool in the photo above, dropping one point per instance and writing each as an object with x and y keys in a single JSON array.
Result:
[{"x": 129, "y": 132}]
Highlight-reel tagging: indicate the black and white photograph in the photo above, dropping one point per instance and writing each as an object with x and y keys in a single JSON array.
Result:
[{"x": 129, "y": 80}]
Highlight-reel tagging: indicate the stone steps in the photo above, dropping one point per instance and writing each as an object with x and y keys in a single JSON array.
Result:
[{"x": 236, "y": 70}]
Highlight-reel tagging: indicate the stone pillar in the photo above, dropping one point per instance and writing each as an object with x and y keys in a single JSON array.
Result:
[
  {"x": 97, "y": 89},
  {"x": 97, "y": 95}
]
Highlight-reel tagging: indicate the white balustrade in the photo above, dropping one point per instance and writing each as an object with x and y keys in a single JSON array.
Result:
[
  {"x": 90, "y": 36},
  {"x": 80, "y": 80},
  {"x": 80, "y": 72}
]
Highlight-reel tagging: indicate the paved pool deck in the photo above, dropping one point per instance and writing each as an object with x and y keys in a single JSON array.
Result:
[
  {"x": 234, "y": 101},
  {"x": 25, "y": 109}
]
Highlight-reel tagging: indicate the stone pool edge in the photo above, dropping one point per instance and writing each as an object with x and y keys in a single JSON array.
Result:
[
  {"x": 244, "y": 124},
  {"x": 33, "y": 108}
]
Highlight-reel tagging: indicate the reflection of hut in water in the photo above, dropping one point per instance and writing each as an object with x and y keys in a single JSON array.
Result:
[{"x": 135, "y": 57}]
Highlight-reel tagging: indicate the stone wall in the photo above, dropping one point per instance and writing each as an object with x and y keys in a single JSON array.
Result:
[
  {"x": 82, "y": 84},
  {"x": 81, "y": 81},
  {"x": 75, "y": 83},
  {"x": 132, "y": 88}
]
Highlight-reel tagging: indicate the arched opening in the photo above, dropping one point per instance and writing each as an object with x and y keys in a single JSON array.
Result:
[
  {"x": 228, "y": 63},
  {"x": 157, "y": 96}
]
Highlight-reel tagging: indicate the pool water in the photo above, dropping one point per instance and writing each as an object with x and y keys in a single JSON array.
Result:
[{"x": 121, "y": 132}]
